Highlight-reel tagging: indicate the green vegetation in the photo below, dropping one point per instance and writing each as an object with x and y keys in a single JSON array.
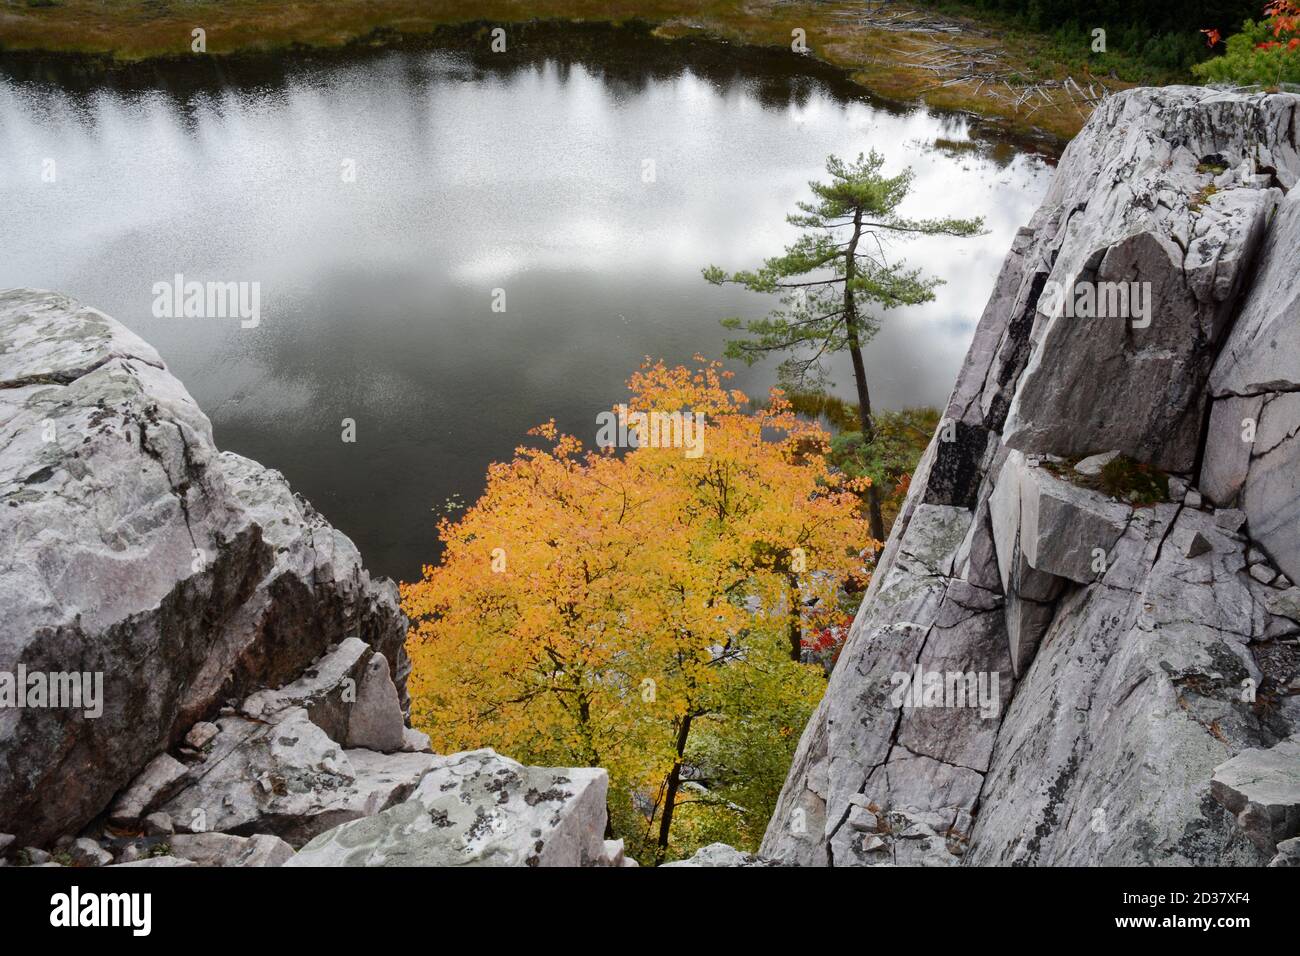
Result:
[
  {"x": 894, "y": 62},
  {"x": 1202, "y": 197},
  {"x": 1147, "y": 41},
  {"x": 1122, "y": 478},
  {"x": 1134, "y": 482},
  {"x": 836, "y": 279},
  {"x": 1265, "y": 53},
  {"x": 901, "y": 440}
]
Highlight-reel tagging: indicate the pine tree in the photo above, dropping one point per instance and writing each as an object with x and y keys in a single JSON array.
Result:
[{"x": 835, "y": 279}]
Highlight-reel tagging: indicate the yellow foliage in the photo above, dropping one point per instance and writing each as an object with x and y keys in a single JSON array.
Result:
[{"x": 591, "y": 599}]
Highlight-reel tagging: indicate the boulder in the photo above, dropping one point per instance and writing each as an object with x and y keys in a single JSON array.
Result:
[
  {"x": 1093, "y": 465},
  {"x": 1284, "y": 603},
  {"x": 1064, "y": 530},
  {"x": 160, "y": 779},
  {"x": 415, "y": 741},
  {"x": 86, "y": 852},
  {"x": 288, "y": 778},
  {"x": 1288, "y": 853},
  {"x": 158, "y": 824},
  {"x": 201, "y": 734},
  {"x": 1046, "y": 532},
  {"x": 223, "y": 849},
  {"x": 348, "y": 693},
  {"x": 1261, "y": 788},
  {"x": 478, "y": 809},
  {"x": 136, "y": 550},
  {"x": 613, "y": 855},
  {"x": 719, "y": 854},
  {"x": 376, "y": 721}
]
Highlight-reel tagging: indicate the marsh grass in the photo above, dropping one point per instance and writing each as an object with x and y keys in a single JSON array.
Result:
[
  {"x": 886, "y": 62},
  {"x": 1122, "y": 478}
]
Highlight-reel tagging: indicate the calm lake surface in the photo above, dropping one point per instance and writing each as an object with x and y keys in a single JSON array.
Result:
[{"x": 522, "y": 171}]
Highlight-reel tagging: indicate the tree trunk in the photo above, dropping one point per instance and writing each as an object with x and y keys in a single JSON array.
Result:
[
  {"x": 860, "y": 371},
  {"x": 670, "y": 789},
  {"x": 795, "y": 622}
]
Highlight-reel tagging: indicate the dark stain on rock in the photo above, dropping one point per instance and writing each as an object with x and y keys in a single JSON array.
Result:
[{"x": 534, "y": 796}]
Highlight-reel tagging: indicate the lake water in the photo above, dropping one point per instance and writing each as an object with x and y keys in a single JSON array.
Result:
[{"x": 524, "y": 172}]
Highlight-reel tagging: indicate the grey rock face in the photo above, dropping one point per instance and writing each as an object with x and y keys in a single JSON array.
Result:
[
  {"x": 1107, "y": 749},
  {"x": 135, "y": 549},
  {"x": 1252, "y": 454},
  {"x": 1135, "y": 649},
  {"x": 156, "y": 861},
  {"x": 1133, "y": 204},
  {"x": 478, "y": 809}
]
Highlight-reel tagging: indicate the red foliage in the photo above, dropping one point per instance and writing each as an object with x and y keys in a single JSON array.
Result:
[{"x": 1285, "y": 15}]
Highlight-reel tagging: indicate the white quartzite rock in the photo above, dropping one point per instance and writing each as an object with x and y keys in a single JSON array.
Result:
[
  {"x": 1252, "y": 453},
  {"x": 1288, "y": 853},
  {"x": 287, "y": 778},
  {"x": 348, "y": 693},
  {"x": 86, "y": 852},
  {"x": 136, "y": 549},
  {"x": 478, "y": 809},
  {"x": 719, "y": 854},
  {"x": 159, "y": 779},
  {"x": 1135, "y": 681},
  {"x": 222, "y": 849},
  {"x": 1262, "y": 788}
]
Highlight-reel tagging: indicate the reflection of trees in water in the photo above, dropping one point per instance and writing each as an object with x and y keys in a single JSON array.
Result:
[{"x": 627, "y": 58}]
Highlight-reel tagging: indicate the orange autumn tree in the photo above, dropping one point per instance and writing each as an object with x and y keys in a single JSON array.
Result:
[{"x": 643, "y": 610}]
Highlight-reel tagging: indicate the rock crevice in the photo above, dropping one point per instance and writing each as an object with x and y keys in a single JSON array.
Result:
[{"x": 1140, "y": 640}]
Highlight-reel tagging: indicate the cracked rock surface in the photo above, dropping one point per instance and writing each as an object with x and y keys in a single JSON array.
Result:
[
  {"x": 1136, "y": 647},
  {"x": 480, "y": 809},
  {"x": 134, "y": 548}
]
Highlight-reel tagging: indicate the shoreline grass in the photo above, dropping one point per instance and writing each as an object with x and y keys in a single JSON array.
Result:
[{"x": 878, "y": 54}]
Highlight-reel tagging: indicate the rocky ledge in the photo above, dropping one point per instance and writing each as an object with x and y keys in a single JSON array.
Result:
[
  {"x": 195, "y": 668},
  {"x": 1108, "y": 522}
]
